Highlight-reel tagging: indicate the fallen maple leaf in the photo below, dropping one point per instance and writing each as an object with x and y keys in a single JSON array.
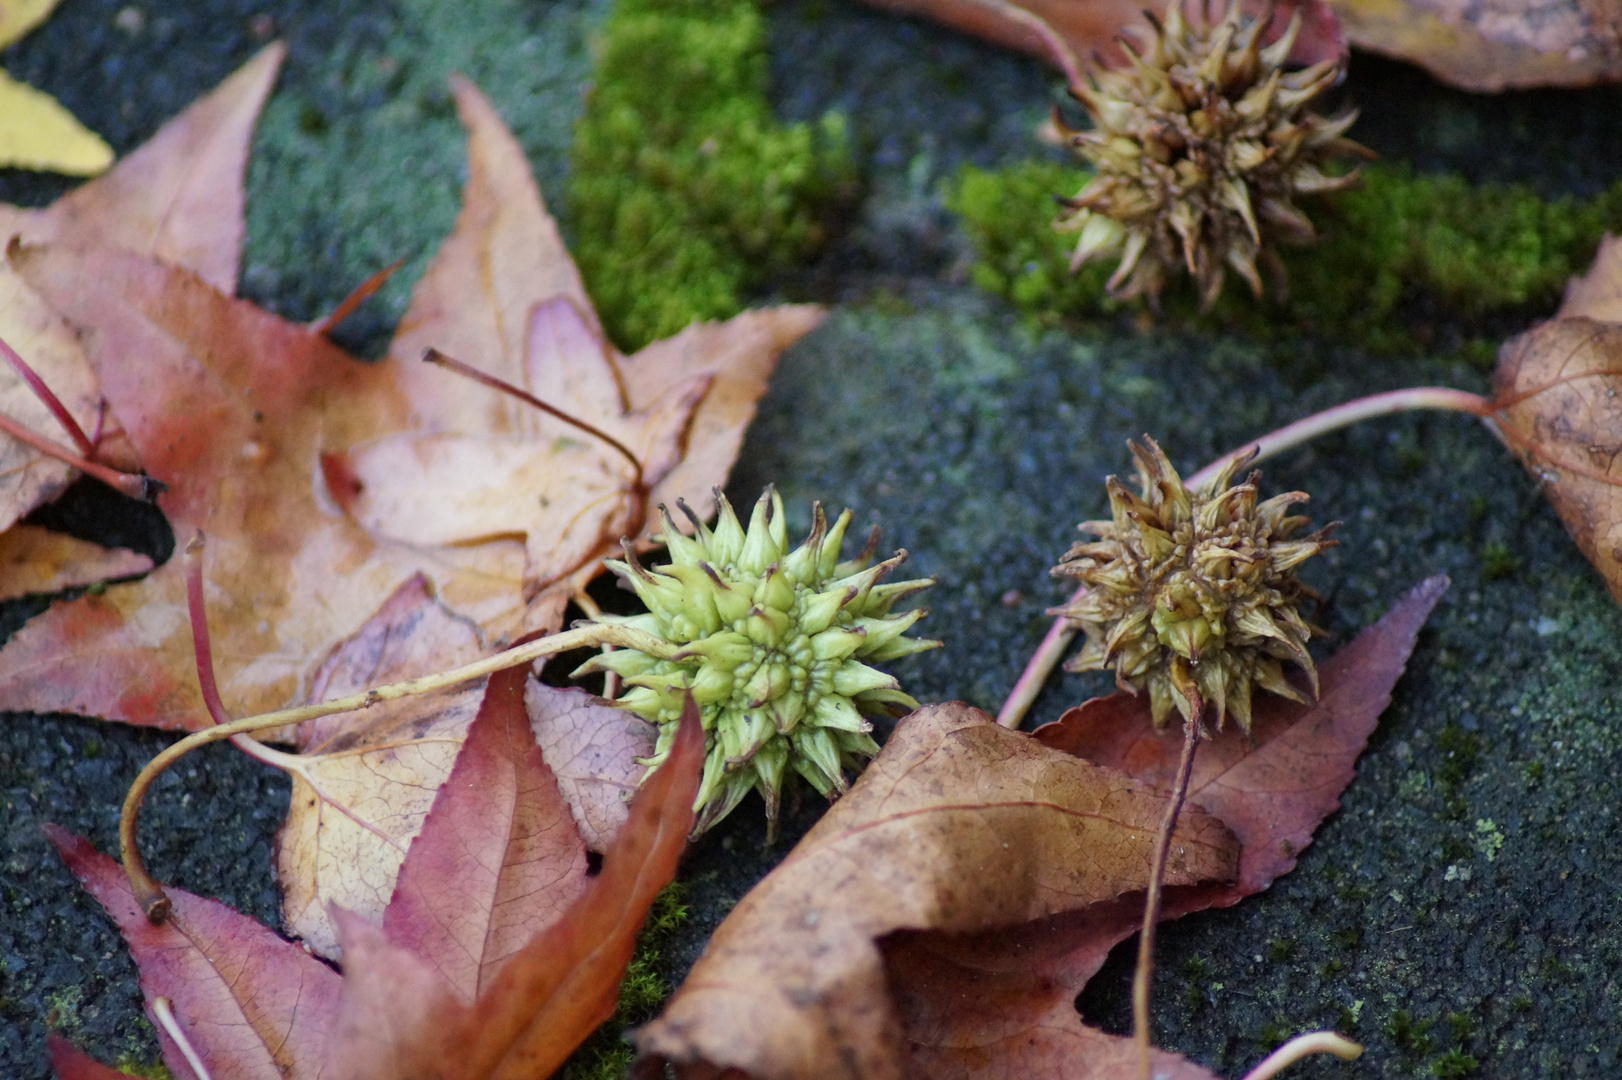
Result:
[
  {"x": 503, "y": 295},
  {"x": 1495, "y": 46},
  {"x": 70, "y": 1063},
  {"x": 495, "y": 954},
  {"x": 593, "y": 750},
  {"x": 990, "y": 991},
  {"x": 36, "y": 132},
  {"x": 1090, "y": 29},
  {"x": 1556, "y": 398},
  {"x": 232, "y": 407},
  {"x": 248, "y": 417},
  {"x": 179, "y": 198},
  {"x": 958, "y": 825}
]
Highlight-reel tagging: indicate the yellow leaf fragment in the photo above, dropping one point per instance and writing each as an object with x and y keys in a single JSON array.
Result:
[
  {"x": 38, "y": 133},
  {"x": 17, "y": 17}
]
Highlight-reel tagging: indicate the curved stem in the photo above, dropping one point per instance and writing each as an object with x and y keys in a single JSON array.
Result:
[
  {"x": 1060, "y": 634},
  {"x": 1157, "y": 871},
  {"x": 48, "y": 398},
  {"x": 1302, "y": 1046},
  {"x": 134, "y": 485},
  {"x": 150, "y": 895},
  {"x": 1292, "y": 435},
  {"x": 450, "y": 363}
]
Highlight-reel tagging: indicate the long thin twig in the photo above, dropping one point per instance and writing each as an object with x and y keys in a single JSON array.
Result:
[
  {"x": 1157, "y": 871},
  {"x": 1303, "y": 1046},
  {"x": 1062, "y": 632},
  {"x": 48, "y": 398},
  {"x": 150, "y": 895},
  {"x": 163, "y": 1011},
  {"x": 134, "y": 485}
]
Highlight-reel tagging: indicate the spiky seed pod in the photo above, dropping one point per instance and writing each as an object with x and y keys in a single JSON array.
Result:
[
  {"x": 1199, "y": 150},
  {"x": 1193, "y": 590},
  {"x": 778, "y": 644}
]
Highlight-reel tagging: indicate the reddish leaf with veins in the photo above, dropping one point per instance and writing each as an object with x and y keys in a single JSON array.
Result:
[
  {"x": 231, "y": 407},
  {"x": 255, "y": 1007},
  {"x": 1272, "y": 790},
  {"x": 550, "y": 994},
  {"x": 499, "y": 858},
  {"x": 592, "y": 748},
  {"x": 496, "y": 956},
  {"x": 178, "y": 198}
]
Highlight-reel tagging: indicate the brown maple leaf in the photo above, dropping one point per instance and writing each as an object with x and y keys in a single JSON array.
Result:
[
  {"x": 976, "y": 979},
  {"x": 957, "y": 825},
  {"x": 178, "y": 198},
  {"x": 232, "y": 407},
  {"x": 502, "y": 295},
  {"x": 1556, "y": 399},
  {"x": 496, "y": 954}
]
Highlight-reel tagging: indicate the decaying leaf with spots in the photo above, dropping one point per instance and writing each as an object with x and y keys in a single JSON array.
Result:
[{"x": 1557, "y": 395}]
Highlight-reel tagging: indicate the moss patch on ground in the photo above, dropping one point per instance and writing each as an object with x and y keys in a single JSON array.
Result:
[
  {"x": 684, "y": 189},
  {"x": 1396, "y": 251}
]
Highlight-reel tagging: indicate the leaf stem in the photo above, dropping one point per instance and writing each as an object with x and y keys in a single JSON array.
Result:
[
  {"x": 163, "y": 1011},
  {"x": 1302, "y": 1046},
  {"x": 362, "y": 292},
  {"x": 134, "y": 485},
  {"x": 434, "y": 356},
  {"x": 1062, "y": 632},
  {"x": 150, "y": 895},
  {"x": 1058, "y": 49},
  {"x": 1157, "y": 871},
  {"x": 48, "y": 397}
]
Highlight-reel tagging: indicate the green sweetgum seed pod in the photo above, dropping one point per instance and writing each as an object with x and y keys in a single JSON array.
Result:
[{"x": 778, "y": 648}]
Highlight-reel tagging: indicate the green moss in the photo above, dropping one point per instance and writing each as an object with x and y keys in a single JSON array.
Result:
[
  {"x": 1397, "y": 246},
  {"x": 1454, "y": 1065},
  {"x": 606, "y": 1055},
  {"x": 684, "y": 191},
  {"x": 134, "y": 1066}
]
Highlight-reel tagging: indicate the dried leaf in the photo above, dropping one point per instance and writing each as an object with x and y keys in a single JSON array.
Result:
[
  {"x": 1090, "y": 27},
  {"x": 399, "y": 1018},
  {"x": 1502, "y": 45},
  {"x": 36, "y": 560},
  {"x": 179, "y": 197},
  {"x": 18, "y": 17},
  {"x": 254, "y": 1006},
  {"x": 1556, "y": 387},
  {"x": 958, "y": 826},
  {"x": 232, "y": 408},
  {"x": 499, "y": 858},
  {"x": 482, "y": 908},
  {"x": 503, "y": 295},
  {"x": 592, "y": 749},
  {"x": 1272, "y": 790},
  {"x": 364, "y": 781}
]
